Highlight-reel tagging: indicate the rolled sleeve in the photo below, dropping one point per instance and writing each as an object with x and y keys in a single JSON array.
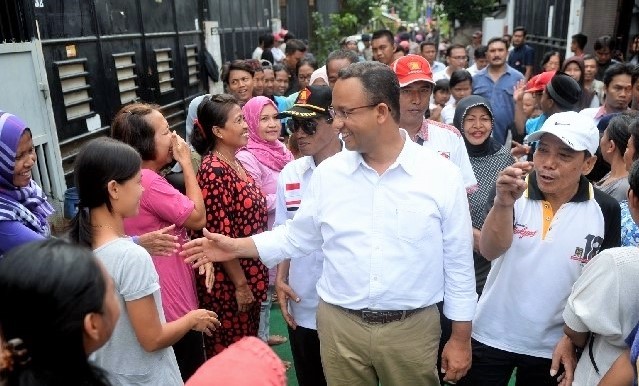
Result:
[{"x": 460, "y": 298}]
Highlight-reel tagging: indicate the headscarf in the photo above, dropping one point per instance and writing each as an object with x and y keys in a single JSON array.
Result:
[
  {"x": 319, "y": 73},
  {"x": 28, "y": 205},
  {"x": 272, "y": 154},
  {"x": 490, "y": 146}
]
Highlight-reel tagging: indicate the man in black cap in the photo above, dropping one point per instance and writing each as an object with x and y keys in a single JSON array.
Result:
[{"x": 297, "y": 279}]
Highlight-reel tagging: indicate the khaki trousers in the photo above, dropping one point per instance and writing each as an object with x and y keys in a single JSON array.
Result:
[{"x": 356, "y": 353}]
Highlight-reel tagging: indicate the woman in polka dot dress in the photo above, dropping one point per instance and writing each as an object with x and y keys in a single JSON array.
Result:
[{"x": 236, "y": 207}]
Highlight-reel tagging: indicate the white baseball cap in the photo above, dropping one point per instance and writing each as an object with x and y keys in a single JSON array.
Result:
[{"x": 577, "y": 131}]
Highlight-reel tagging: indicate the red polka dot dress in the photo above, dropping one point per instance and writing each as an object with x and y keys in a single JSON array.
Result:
[{"x": 236, "y": 208}]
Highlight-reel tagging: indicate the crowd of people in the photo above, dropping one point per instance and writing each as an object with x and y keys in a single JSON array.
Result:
[{"x": 418, "y": 222}]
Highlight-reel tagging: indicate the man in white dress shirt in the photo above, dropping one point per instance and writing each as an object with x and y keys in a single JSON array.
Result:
[
  {"x": 297, "y": 279},
  {"x": 392, "y": 220}
]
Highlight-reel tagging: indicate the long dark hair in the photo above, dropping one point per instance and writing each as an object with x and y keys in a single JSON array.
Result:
[
  {"x": 100, "y": 161},
  {"x": 47, "y": 288},
  {"x": 212, "y": 111}
]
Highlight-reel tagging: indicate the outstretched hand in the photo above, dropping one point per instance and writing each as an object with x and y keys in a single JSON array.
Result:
[
  {"x": 161, "y": 242},
  {"x": 213, "y": 247}
]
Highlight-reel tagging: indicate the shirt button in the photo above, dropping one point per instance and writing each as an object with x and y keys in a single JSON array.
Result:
[
  {"x": 547, "y": 218},
  {"x": 374, "y": 278}
]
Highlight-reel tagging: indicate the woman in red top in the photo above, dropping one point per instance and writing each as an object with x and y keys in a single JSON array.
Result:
[{"x": 236, "y": 207}]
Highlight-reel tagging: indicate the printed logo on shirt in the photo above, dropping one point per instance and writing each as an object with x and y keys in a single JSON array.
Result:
[
  {"x": 293, "y": 196},
  {"x": 445, "y": 154},
  {"x": 590, "y": 249},
  {"x": 522, "y": 231}
]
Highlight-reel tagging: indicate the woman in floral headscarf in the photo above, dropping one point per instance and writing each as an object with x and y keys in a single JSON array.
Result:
[
  {"x": 23, "y": 205},
  {"x": 264, "y": 157}
]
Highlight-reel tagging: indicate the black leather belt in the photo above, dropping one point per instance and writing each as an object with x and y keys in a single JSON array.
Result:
[{"x": 381, "y": 316}]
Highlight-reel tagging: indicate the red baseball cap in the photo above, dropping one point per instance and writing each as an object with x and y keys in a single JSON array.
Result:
[
  {"x": 412, "y": 68},
  {"x": 538, "y": 82}
]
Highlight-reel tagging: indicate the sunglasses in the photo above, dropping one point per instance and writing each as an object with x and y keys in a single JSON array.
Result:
[{"x": 308, "y": 126}]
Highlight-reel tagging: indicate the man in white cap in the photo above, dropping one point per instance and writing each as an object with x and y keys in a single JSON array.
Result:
[
  {"x": 541, "y": 230},
  {"x": 416, "y": 82}
]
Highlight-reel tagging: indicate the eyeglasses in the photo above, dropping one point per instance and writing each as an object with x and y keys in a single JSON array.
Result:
[
  {"x": 308, "y": 126},
  {"x": 343, "y": 114}
]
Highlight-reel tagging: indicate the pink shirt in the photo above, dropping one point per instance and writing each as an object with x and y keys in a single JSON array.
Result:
[
  {"x": 266, "y": 179},
  {"x": 160, "y": 206}
]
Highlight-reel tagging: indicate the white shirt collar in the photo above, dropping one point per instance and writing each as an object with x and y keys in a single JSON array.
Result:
[{"x": 405, "y": 159}]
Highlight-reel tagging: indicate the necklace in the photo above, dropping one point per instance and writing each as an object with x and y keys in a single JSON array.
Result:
[
  {"x": 234, "y": 165},
  {"x": 110, "y": 227}
]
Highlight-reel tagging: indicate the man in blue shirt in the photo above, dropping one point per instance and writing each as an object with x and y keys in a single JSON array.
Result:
[
  {"x": 522, "y": 57},
  {"x": 496, "y": 83}
]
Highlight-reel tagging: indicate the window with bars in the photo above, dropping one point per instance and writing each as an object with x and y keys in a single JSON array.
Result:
[
  {"x": 164, "y": 67},
  {"x": 127, "y": 77},
  {"x": 73, "y": 77},
  {"x": 193, "y": 64}
]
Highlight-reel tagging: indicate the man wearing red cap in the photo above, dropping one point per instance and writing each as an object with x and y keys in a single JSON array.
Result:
[{"x": 416, "y": 82}]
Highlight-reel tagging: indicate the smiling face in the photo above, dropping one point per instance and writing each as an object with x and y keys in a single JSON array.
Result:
[
  {"x": 161, "y": 138},
  {"x": 477, "y": 125},
  {"x": 234, "y": 134},
  {"x": 25, "y": 160},
  {"x": 359, "y": 127},
  {"x": 269, "y": 126},
  {"x": 241, "y": 85},
  {"x": 281, "y": 82},
  {"x": 559, "y": 168}
]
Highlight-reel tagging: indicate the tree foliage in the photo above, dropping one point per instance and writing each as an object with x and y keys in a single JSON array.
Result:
[
  {"x": 326, "y": 35},
  {"x": 467, "y": 11}
]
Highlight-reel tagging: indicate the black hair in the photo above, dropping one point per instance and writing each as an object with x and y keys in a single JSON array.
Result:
[
  {"x": 546, "y": 58},
  {"x": 459, "y": 76},
  {"x": 269, "y": 40},
  {"x": 342, "y": 54},
  {"x": 379, "y": 81},
  {"x": 380, "y": 33},
  {"x": 635, "y": 75},
  {"x": 239, "y": 65},
  {"x": 280, "y": 67},
  {"x": 633, "y": 129},
  {"x": 62, "y": 283},
  {"x": 442, "y": 85},
  {"x": 520, "y": 28},
  {"x": 618, "y": 69},
  {"x": 212, "y": 111},
  {"x": 589, "y": 57},
  {"x": 480, "y": 52},
  {"x": 450, "y": 48},
  {"x": 101, "y": 160},
  {"x": 426, "y": 43},
  {"x": 294, "y": 45},
  {"x": 306, "y": 62},
  {"x": 633, "y": 178},
  {"x": 580, "y": 39},
  {"x": 618, "y": 130},
  {"x": 256, "y": 64},
  {"x": 130, "y": 125},
  {"x": 605, "y": 41},
  {"x": 494, "y": 40}
]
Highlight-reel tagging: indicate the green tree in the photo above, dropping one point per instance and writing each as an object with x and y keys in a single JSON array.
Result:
[
  {"x": 326, "y": 36},
  {"x": 467, "y": 11}
]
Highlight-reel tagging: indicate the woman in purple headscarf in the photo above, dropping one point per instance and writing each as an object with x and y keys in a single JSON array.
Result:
[
  {"x": 264, "y": 156},
  {"x": 23, "y": 205}
]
